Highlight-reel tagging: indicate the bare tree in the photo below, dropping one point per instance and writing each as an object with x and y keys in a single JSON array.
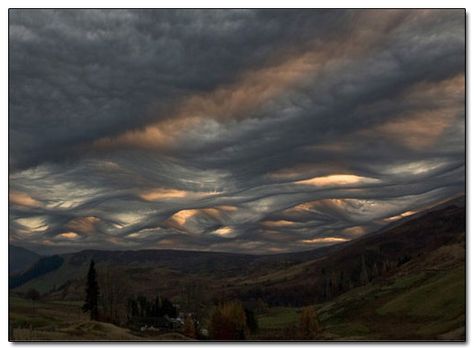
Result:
[{"x": 115, "y": 291}]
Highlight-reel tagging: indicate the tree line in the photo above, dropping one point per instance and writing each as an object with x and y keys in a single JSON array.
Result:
[{"x": 325, "y": 283}]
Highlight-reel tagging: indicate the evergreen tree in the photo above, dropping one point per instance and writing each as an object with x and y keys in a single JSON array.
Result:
[
  {"x": 251, "y": 320},
  {"x": 168, "y": 308},
  {"x": 157, "y": 307},
  {"x": 92, "y": 293},
  {"x": 132, "y": 309},
  {"x": 33, "y": 295},
  {"x": 144, "y": 306}
]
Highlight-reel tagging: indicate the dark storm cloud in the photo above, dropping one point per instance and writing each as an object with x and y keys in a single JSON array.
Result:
[
  {"x": 259, "y": 131},
  {"x": 78, "y": 75}
]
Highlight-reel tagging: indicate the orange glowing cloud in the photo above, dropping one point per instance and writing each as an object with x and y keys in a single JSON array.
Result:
[
  {"x": 258, "y": 86},
  {"x": 228, "y": 102},
  {"x": 297, "y": 171},
  {"x": 415, "y": 130},
  {"x": 419, "y": 130},
  {"x": 278, "y": 223},
  {"x": 315, "y": 206},
  {"x": 69, "y": 235},
  {"x": 180, "y": 219},
  {"x": 445, "y": 91},
  {"x": 355, "y": 230},
  {"x": 422, "y": 128},
  {"x": 401, "y": 216},
  {"x": 167, "y": 194},
  {"x": 225, "y": 231},
  {"x": 324, "y": 240},
  {"x": 182, "y": 216},
  {"x": 337, "y": 180},
  {"x": 162, "y": 193},
  {"x": 23, "y": 199},
  {"x": 83, "y": 224}
]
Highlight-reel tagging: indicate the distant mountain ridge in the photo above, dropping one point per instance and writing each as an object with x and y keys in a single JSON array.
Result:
[{"x": 422, "y": 232}]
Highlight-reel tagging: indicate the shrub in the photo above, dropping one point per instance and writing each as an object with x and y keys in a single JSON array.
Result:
[
  {"x": 228, "y": 322},
  {"x": 308, "y": 323},
  {"x": 189, "y": 329}
]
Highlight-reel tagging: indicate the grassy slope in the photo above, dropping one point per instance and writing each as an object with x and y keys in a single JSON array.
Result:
[
  {"x": 54, "y": 320},
  {"x": 426, "y": 307},
  {"x": 416, "y": 304},
  {"x": 54, "y": 278}
]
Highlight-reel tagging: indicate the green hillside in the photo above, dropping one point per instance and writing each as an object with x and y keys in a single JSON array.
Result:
[{"x": 417, "y": 304}]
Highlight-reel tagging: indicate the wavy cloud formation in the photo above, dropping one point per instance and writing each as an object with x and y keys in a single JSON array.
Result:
[{"x": 257, "y": 131}]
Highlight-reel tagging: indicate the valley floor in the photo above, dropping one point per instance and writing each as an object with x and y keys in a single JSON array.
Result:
[
  {"x": 424, "y": 306},
  {"x": 65, "y": 321}
]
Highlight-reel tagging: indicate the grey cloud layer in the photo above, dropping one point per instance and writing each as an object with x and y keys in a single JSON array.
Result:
[
  {"x": 389, "y": 109},
  {"x": 80, "y": 75}
]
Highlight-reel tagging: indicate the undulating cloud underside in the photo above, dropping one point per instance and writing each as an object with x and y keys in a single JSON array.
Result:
[{"x": 255, "y": 131}]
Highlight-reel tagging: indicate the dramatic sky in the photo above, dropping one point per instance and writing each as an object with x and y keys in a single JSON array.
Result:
[{"x": 234, "y": 130}]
